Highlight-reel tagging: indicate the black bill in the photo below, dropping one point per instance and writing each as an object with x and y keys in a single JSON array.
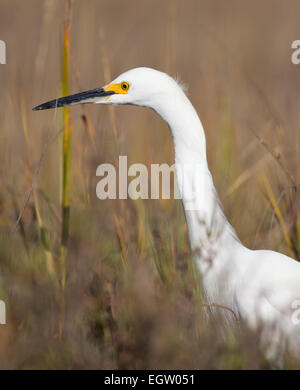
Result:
[{"x": 82, "y": 97}]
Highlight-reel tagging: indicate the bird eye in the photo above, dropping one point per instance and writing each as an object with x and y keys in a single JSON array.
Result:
[{"x": 125, "y": 86}]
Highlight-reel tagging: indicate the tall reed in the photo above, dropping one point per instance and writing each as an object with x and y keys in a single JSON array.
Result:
[{"x": 66, "y": 157}]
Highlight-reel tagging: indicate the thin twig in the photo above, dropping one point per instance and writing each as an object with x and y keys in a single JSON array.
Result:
[
  {"x": 34, "y": 180},
  {"x": 222, "y": 307},
  {"x": 283, "y": 192},
  {"x": 277, "y": 158}
]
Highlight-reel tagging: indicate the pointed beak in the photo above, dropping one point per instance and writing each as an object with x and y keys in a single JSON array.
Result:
[{"x": 82, "y": 97}]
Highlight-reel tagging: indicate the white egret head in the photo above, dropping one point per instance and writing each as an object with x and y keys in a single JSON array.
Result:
[{"x": 139, "y": 86}]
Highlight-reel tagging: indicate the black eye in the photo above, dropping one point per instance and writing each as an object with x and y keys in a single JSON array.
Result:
[{"x": 124, "y": 86}]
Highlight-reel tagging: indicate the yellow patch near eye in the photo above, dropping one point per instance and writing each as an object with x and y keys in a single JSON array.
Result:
[{"x": 121, "y": 88}]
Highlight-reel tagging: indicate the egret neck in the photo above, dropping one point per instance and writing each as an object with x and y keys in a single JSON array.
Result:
[{"x": 206, "y": 221}]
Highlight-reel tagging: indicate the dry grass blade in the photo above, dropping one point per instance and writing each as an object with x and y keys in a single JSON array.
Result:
[
  {"x": 205, "y": 304},
  {"x": 246, "y": 175},
  {"x": 34, "y": 180},
  {"x": 42, "y": 229},
  {"x": 278, "y": 215},
  {"x": 85, "y": 117},
  {"x": 107, "y": 79},
  {"x": 121, "y": 237},
  {"x": 276, "y": 157}
]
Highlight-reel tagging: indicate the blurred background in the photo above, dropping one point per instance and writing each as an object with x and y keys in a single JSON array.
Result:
[{"x": 132, "y": 299}]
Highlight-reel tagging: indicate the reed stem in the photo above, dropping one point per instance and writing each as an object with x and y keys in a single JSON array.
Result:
[{"x": 66, "y": 153}]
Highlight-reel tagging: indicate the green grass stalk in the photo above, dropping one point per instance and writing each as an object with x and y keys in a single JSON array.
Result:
[{"x": 66, "y": 152}]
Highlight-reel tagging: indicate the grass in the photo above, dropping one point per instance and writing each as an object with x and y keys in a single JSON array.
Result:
[
  {"x": 66, "y": 158},
  {"x": 127, "y": 295}
]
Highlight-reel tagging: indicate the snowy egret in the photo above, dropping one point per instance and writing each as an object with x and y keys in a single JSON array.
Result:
[{"x": 261, "y": 286}]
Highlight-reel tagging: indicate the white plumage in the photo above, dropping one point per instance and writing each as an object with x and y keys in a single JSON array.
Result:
[{"x": 261, "y": 286}]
